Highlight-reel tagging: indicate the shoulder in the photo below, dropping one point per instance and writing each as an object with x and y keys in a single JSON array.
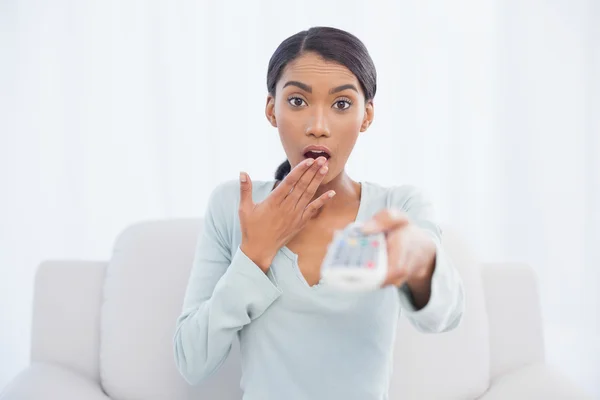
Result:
[
  {"x": 221, "y": 217},
  {"x": 225, "y": 197},
  {"x": 411, "y": 199},
  {"x": 224, "y": 191},
  {"x": 404, "y": 197}
]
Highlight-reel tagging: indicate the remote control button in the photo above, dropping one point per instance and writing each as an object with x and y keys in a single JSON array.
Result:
[
  {"x": 352, "y": 242},
  {"x": 370, "y": 264},
  {"x": 375, "y": 243}
]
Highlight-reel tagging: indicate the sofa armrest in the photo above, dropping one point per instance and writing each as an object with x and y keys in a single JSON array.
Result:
[
  {"x": 533, "y": 382},
  {"x": 514, "y": 314},
  {"x": 50, "y": 382},
  {"x": 66, "y": 315}
]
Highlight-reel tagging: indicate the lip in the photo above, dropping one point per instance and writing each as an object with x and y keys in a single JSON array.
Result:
[{"x": 317, "y": 148}]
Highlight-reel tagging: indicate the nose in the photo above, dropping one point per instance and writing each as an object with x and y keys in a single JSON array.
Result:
[{"x": 317, "y": 125}]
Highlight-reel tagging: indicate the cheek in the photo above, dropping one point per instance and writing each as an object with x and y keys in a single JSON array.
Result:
[
  {"x": 289, "y": 123},
  {"x": 290, "y": 126},
  {"x": 345, "y": 131}
]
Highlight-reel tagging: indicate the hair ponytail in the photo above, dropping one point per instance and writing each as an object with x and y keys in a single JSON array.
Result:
[{"x": 283, "y": 170}]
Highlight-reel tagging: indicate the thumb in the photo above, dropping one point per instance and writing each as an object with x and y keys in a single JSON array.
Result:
[
  {"x": 245, "y": 191},
  {"x": 385, "y": 221}
]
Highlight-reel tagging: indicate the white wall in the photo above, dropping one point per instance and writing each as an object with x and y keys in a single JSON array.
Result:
[
  {"x": 544, "y": 113},
  {"x": 112, "y": 112}
]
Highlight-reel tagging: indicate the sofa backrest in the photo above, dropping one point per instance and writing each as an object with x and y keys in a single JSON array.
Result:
[
  {"x": 450, "y": 365},
  {"x": 144, "y": 289}
]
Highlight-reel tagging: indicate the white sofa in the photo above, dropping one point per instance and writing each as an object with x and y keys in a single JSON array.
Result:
[{"x": 103, "y": 330}]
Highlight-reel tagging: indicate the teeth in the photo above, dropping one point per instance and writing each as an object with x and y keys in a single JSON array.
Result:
[{"x": 317, "y": 151}]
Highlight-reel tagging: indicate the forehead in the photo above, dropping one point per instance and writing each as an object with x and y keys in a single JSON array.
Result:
[{"x": 313, "y": 70}]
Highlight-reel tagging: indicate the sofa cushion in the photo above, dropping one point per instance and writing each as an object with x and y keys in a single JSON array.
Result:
[
  {"x": 41, "y": 381},
  {"x": 451, "y": 365},
  {"x": 146, "y": 281},
  {"x": 534, "y": 382},
  {"x": 145, "y": 285}
]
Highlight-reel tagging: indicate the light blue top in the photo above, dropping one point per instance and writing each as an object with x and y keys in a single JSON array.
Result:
[{"x": 297, "y": 341}]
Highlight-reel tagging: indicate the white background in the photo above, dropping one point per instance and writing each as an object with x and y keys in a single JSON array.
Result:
[{"x": 112, "y": 112}]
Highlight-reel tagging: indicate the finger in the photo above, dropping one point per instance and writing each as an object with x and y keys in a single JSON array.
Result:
[
  {"x": 304, "y": 182},
  {"x": 287, "y": 184},
  {"x": 393, "y": 253},
  {"x": 396, "y": 279},
  {"x": 310, "y": 191},
  {"x": 397, "y": 276},
  {"x": 312, "y": 209},
  {"x": 245, "y": 191},
  {"x": 385, "y": 221},
  {"x": 397, "y": 261}
]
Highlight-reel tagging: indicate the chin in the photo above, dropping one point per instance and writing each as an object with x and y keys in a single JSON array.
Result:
[{"x": 328, "y": 178}]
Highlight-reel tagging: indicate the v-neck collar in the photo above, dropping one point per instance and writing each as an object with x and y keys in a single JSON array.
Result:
[{"x": 360, "y": 215}]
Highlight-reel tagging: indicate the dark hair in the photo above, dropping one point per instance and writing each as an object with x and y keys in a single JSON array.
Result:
[{"x": 332, "y": 45}]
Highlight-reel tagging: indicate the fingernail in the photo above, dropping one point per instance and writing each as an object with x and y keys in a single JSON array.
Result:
[
  {"x": 331, "y": 194},
  {"x": 322, "y": 160},
  {"x": 243, "y": 177},
  {"x": 324, "y": 170},
  {"x": 310, "y": 162}
]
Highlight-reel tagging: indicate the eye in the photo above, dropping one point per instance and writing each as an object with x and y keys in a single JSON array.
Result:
[
  {"x": 342, "y": 104},
  {"x": 296, "y": 101}
]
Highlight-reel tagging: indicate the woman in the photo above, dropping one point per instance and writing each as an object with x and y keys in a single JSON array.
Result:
[{"x": 257, "y": 266}]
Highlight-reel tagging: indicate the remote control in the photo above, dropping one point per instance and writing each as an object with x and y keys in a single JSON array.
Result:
[{"x": 355, "y": 261}]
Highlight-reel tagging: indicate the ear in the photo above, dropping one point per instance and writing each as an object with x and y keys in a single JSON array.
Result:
[
  {"x": 270, "y": 111},
  {"x": 368, "y": 118}
]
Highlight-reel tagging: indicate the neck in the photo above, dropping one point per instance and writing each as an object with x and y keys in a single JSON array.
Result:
[{"x": 346, "y": 190}]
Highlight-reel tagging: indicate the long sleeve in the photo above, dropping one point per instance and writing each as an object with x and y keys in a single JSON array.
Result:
[
  {"x": 444, "y": 310},
  {"x": 225, "y": 292}
]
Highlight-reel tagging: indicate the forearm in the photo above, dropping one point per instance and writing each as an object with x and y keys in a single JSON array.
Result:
[
  {"x": 207, "y": 326},
  {"x": 419, "y": 282},
  {"x": 420, "y": 286},
  {"x": 435, "y": 303}
]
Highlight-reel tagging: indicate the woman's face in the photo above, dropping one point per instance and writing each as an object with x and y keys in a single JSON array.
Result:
[{"x": 319, "y": 103}]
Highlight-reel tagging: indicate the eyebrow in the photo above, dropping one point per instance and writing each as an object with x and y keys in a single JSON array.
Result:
[
  {"x": 308, "y": 88},
  {"x": 343, "y": 87},
  {"x": 301, "y": 85}
]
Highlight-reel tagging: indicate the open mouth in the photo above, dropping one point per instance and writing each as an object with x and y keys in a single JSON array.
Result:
[{"x": 315, "y": 152}]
